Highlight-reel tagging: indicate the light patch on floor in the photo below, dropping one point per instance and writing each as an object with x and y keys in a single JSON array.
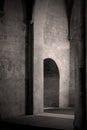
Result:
[{"x": 57, "y": 115}]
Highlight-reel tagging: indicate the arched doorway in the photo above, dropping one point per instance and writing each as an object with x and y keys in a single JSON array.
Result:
[{"x": 51, "y": 84}]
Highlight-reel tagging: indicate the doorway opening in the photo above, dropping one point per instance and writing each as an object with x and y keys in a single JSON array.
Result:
[
  {"x": 51, "y": 84},
  {"x": 51, "y": 89}
]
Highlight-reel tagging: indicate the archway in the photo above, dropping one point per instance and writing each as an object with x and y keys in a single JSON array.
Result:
[{"x": 51, "y": 84}]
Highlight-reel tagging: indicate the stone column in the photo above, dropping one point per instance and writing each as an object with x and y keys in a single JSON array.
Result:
[{"x": 78, "y": 45}]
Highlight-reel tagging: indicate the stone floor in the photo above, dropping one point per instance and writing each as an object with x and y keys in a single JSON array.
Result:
[
  {"x": 59, "y": 121},
  {"x": 68, "y": 111}
]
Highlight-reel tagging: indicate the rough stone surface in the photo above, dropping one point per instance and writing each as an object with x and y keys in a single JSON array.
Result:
[
  {"x": 78, "y": 55},
  {"x": 12, "y": 60}
]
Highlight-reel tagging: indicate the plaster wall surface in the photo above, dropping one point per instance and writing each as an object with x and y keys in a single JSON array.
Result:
[{"x": 51, "y": 41}]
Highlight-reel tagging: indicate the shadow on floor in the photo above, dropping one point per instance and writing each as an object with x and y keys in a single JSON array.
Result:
[
  {"x": 48, "y": 120},
  {"x": 14, "y": 126}
]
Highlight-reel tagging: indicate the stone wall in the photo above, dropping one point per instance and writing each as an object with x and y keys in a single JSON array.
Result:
[
  {"x": 12, "y": 60},
  {"x": 51, "y": 41}
]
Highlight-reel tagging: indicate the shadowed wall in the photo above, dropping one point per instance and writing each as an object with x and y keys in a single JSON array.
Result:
[{"x": 12, "y": 60}]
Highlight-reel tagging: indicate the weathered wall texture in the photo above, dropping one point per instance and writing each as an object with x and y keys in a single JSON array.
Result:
[
  {"x": 12, "y": 60},
  {"x": 75, "y": 50},
  {"x": 56, "y": 45},
  {"x": 51, "y": 41},
  {"x": 39, "y": 17},
  {"x": 78, "y": 60}
]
